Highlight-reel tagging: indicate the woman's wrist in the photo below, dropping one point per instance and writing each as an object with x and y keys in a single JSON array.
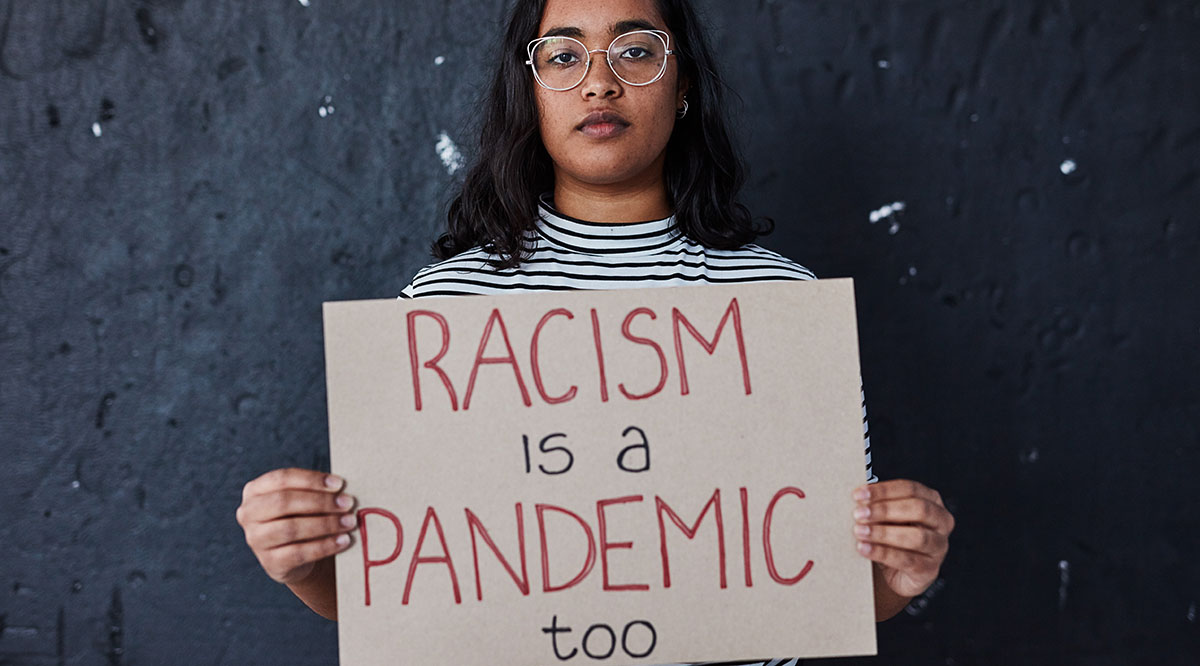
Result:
[{"x": 318, "y": 590}]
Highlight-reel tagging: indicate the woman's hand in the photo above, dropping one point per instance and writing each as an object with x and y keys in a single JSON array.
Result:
[
  {"x": 293, "y": 518},
  {"x": 904, "y": 526}
]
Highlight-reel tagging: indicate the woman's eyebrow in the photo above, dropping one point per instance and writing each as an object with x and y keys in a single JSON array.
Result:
[{"x": 618, "y": 28}]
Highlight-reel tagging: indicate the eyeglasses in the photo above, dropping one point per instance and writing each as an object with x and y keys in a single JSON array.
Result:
[{"x": 561, "y": 63}]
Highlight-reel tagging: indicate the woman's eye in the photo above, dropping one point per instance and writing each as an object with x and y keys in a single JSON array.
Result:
[
  {"x": 635, "y": 52},
  {"x": 562, "y": 59}
]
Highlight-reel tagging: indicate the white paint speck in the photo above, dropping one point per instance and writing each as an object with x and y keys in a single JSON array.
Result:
[
  {"x": 304, "y": 3},
  {"x": 1191, "y": 616},
  {"x": 974, "y": 117},
  {"x": 75, "y": 483},
  {"x": 887, "y": 211},
  {"x": 895, "y": 228},
  {"x": 883, "y": 64},
  {"x": 439, "y": 60},
  {"x": 451, "y": 157},
  {"x": 1068, "y": 167},
  {"x": 912, "y": 271},
  {"x": 326, "y": 109},
  {"x": 1030, "y": 457},
  {"x": 1064, "y": 577},
  {"x": 96, "y": 131}
]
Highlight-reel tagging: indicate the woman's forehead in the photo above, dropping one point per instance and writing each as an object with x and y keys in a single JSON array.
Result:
[{"x": 586, "y": 18}]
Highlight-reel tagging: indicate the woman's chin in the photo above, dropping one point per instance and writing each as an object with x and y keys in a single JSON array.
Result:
[
  {"x": 605, "y": 168},
  {"x": 616, "y": 176}
]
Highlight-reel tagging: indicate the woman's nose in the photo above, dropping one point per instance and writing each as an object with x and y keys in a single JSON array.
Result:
[{"x": 600, "y": 80}]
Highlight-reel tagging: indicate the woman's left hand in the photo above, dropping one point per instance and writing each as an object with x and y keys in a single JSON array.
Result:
[{"x": 904, "y": 526}]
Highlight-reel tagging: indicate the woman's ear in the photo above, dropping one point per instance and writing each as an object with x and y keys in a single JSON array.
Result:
[{"x": 683, "y": 87}]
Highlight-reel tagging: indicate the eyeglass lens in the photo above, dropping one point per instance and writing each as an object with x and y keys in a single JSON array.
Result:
[{"x": 637, "y": 58}]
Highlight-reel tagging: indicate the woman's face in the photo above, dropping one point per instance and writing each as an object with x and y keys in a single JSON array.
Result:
[{"x": 607, "y": 154}]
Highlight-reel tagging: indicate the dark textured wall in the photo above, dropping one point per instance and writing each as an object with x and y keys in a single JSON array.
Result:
[{"x": 183, "y": 183}]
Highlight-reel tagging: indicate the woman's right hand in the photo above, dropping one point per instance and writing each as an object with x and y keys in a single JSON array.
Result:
[{"x": 294, "y": 518}]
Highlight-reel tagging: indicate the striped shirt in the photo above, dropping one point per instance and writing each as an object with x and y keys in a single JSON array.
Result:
[{"x": 570, "y": 254}]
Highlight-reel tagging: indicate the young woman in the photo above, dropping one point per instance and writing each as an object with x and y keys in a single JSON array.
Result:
[{"x": 605, "y": 163}]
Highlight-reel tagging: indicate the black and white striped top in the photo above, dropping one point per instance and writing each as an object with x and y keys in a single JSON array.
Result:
[
  {"x": 574, "y": 254},
  {"x": 571, "y": 254}
]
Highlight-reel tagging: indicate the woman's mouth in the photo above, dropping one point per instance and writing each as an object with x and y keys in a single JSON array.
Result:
[
  {"x": 603, "y": 124},
  {"x": 603, "y": 130}
]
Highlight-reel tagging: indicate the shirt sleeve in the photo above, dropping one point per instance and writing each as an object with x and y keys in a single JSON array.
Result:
[
  {"x": 406, "y": 292},
  {"x": 871, "y": 478}
]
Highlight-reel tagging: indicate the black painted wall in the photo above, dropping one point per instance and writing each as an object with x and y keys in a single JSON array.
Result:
[{"x": 183, "y": 183}]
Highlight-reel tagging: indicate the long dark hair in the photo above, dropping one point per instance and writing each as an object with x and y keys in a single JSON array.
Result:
[{"x": 703, "y": 171}]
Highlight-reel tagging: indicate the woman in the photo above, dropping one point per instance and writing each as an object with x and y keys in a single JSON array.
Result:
[{"x": 605, "y": 163}]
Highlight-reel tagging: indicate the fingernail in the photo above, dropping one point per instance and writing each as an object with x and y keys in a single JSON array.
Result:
[
  {"x": 348, "y": 520},
  {"x": 345, "y": 501},
  {"x": 862, "y": 494},
  {"x": 343, "y": 540},
  {"x": 862, "y": 512},
  {"x": 862, "y": 530},
  {"x": 332, "y": 481},
  {"x": 864, "y": 547}
]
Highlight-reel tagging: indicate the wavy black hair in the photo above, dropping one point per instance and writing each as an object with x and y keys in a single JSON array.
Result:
[{"x": 703, "y": 171}]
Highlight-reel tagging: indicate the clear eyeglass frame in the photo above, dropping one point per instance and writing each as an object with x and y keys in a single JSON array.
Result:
[{"x": 662, "y": 35}]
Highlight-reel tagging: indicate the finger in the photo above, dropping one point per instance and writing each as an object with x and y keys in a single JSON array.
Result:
[
  {"x": 286, "y": 503},
  {"x": 909, "y": 510},
  {"x": 288, "y": 557},
  {"x": 914, "y": 564},
  {"x": 906, "y": 537},
  {"x": 899, "y": 489},
  {"x": 293, "y": 478},
  {"x": 294, "y": 530}
]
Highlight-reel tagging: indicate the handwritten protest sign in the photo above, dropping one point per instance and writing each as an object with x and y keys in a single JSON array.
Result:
[{"x": 640, "y": 476}]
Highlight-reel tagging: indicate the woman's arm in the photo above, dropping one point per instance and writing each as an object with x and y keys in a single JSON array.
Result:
[
  {"x": 904, "y": 528},
  {"x": 295, "y": 521},
  {"x": 887, "y": 603},
  {"x": 319, "y": 589}
]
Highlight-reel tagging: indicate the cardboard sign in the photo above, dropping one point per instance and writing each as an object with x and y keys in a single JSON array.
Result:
[{"x": 640, "y": 476}]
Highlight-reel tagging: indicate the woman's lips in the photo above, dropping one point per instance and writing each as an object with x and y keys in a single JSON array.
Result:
[
  {"x": 603, "y": 124},
  {"x": 603, "y": 130}
]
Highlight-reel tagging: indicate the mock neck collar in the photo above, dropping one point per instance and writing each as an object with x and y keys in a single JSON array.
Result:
[{"x": 563, "y": 232}]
